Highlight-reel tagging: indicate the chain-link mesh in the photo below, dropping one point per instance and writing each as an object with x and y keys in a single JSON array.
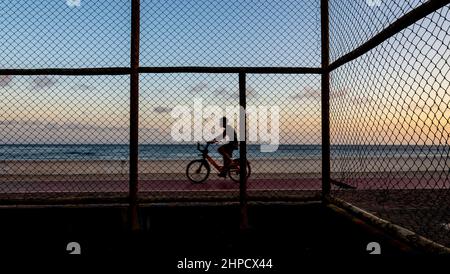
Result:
[
  {"x": 59, "y": 134},
  {"x": 70, "y": 134},
  {"x": 291, "y": 168},
  {"x": 294, "y": 168},
  {"x": 64, "y": 34},
  {"x": 390, "y": 127},
  {"x": 354, "y": 22},
  {"x": 230, "y": 33},
  {"x": 163, "y": 158}
]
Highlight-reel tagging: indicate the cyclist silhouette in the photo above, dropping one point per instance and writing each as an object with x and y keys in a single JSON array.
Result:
[{"x": 226, "y": 150}]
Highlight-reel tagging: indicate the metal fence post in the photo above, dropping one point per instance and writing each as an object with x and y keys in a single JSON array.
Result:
[
  {"x": 326, "y": 170},
  {"x": 243, "y": 151},
  {"x": 134, "y": 115}
]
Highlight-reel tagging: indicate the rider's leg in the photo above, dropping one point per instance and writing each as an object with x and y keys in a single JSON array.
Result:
[{"x": 224, "y": 151}]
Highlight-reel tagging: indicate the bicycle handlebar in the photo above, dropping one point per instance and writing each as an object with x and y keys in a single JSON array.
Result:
[{"x": 205, "y": 148}]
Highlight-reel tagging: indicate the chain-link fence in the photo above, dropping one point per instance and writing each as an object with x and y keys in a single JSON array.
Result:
[
  {"x": 226, "y": 34},
  {"x": 294, "y": 169},
  {"x": 389, "y": 115},
  {"x": 90, "y": 111},
  {"x": 291, "y": 168},
  {"x": 231, "y": 33},
  {"x": 66, "y": 98},
  {"x": 60, "y": 137}
]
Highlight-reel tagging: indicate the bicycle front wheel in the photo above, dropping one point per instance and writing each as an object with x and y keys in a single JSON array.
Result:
[{"x": 198, "y": 171}]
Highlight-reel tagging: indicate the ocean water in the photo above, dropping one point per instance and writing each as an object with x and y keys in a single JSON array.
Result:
[{"x": 189, "y": 151}]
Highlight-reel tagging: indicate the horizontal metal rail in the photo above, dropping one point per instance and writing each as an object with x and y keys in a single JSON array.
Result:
[
  {"x": 399, "y": 25},
  {"x": 155, "y": 198},
  {"x": 341, "y": 184},
  {"x": 237, "y": 70},
  {"x": 65, "y": 71},
  {"x": 127, "y": 70}
]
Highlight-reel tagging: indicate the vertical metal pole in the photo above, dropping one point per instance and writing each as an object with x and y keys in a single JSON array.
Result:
[
  {"x": 134, "y": 115},
  {"x": 326, "y": 170},
  {"x": 243, "y": 151}
]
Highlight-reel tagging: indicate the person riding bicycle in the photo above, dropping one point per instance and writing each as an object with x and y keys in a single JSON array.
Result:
[{"x": 226, "y": 150}]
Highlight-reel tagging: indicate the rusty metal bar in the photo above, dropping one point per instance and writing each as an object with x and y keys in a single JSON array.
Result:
[
  {"x": 243, "y": 152},
  {"x": 326, "y": 170},
  {"x": 125, "y": 70},
  {"x": 65, "y": 71},
  {"x": 233, "y": 70},
  {"x": 394, "y": 28},
  {"x": 134, "y": 115}
]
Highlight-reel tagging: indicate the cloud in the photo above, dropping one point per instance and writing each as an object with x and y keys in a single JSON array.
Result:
[
  {"x": 6, "y": 122},
  {"x": 220, "y": 90},
  {"x": 33, "y": 123},
  {"x": 251, "y": 92},
  {"x": 5, "y": 80},
  {"x": 83, "y": 87},
  {"x": 234, "y": 93},
  {"x": 43, "y": 81},
  {"x": 20, "y": 123},
  {"x": 307, "y": 93},
  {"x": 74, "y": 126},
  {"x": 341, "y": 92},
  {"x": 161, "y": 109},
  {"x": 150, "y": 131},
  {"x": 296, "y": 96},
  {"x": 362, "y": 100},
  {"x": 199, "y": 88}
]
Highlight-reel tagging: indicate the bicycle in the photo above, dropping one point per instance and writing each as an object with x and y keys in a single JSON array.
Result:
[{"x": 198, "y": 170}]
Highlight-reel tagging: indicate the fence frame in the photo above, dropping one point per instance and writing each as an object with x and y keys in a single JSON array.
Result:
[
  {"x": 134, "y": 71},
  {"x": 325, "y": 102}
]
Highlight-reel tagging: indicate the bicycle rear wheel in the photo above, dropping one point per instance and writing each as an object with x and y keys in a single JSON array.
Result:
[
  {"x": 234, "y": 172},
  {"x": 198, "y": 171}
]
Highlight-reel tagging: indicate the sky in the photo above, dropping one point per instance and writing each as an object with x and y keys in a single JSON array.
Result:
[
  {"x": 190, "y": 33},
  {"x": 94, "y": 109}
]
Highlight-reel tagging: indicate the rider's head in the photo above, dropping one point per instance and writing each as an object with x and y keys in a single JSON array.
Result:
[{"x": 223, "y": 121}]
